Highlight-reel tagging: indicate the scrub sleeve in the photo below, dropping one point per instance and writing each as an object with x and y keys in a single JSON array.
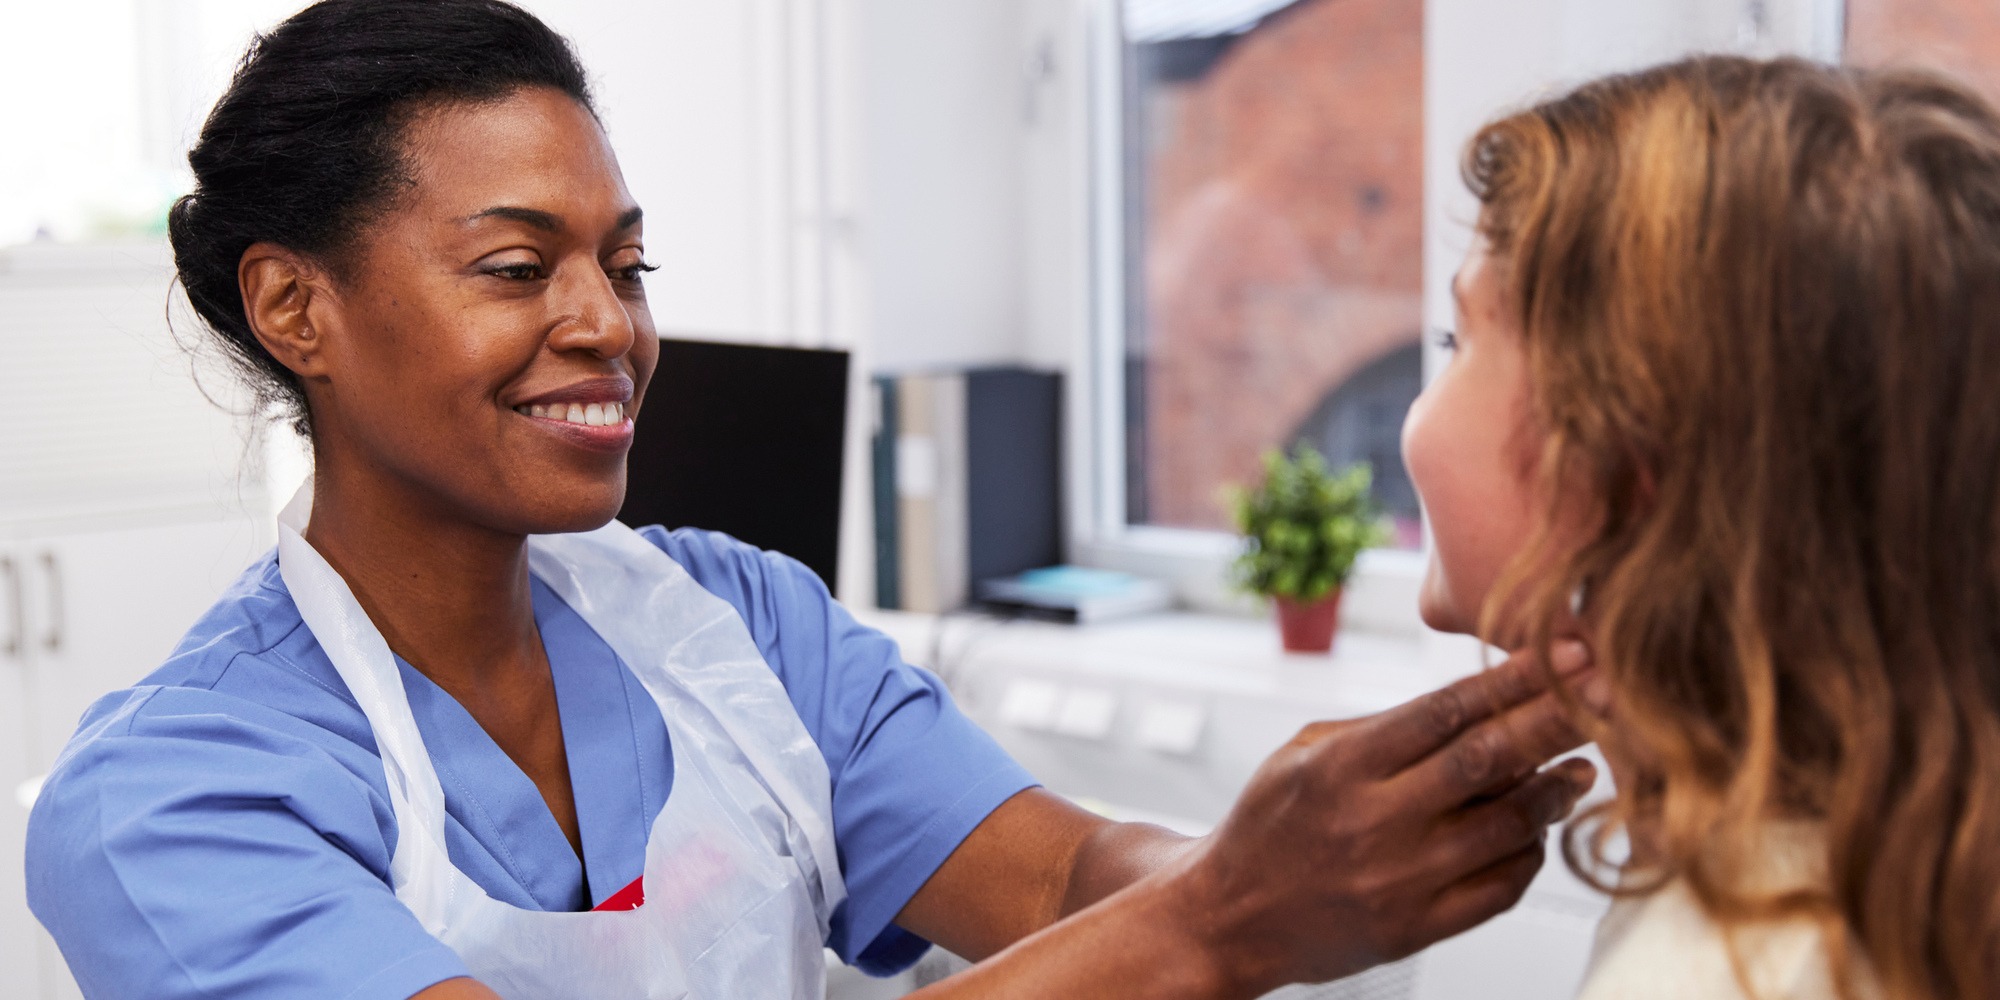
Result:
[{"x": 224, "y": 830}]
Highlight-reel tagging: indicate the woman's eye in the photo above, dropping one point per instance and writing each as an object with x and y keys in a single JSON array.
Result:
[
  {"x": 632, "y": 272},
  {"x": 517, "y": 272}
]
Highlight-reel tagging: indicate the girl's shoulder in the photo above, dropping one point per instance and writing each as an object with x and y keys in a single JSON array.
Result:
[{"x": 1665, "y": 945}]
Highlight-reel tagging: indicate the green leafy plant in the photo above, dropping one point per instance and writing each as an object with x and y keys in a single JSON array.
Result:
[{"x": 1304, "y": 525}]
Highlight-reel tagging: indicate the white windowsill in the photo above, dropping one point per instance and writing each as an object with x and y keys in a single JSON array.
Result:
[
  {"x": 1205, "y": 654},
  {"x": 1381, "y": 596}
]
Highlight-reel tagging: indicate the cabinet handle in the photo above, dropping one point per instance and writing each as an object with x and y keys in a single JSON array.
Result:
[
  {"x": 18, "y": 620},
  {"x": 58, "y": 615}
]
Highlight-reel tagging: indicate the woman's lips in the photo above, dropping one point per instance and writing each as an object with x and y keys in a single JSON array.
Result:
[
  {"x": 594, "y": 426},
  {"x": 601, "y": 390}
]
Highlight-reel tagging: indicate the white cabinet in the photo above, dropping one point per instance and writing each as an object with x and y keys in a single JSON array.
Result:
[
  {"x": 113, "y": 603},
  {"x": 18, "y": 933},
  {"x": 126, "y": 506},
  {"x": 85, "y": 611}
]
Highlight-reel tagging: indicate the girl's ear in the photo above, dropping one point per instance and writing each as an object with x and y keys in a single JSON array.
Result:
[
  {"x": 280, "y": 289},
  {"x": 1645, "y": 485}
]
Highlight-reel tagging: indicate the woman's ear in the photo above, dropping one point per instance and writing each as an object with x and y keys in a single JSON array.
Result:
[{"x": 279, "y": 288}]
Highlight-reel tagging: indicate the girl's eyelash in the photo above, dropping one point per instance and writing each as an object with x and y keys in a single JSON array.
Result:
[
  {"x": 633, "y": 271},
  {"x": 1447, "y": 339}
]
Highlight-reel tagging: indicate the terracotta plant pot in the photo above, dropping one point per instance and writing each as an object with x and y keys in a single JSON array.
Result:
[{"x": 1307, "y": 626}]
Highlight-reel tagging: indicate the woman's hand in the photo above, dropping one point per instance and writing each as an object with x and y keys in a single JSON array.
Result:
[
  {"x": 1355, "y": 844},
  {"x": 1362, "y": 842}
]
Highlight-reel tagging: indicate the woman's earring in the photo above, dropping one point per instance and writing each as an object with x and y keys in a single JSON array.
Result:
[{"x": 1579, "y": 597}]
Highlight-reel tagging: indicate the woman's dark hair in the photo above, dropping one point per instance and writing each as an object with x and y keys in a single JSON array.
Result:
[{"x": 306, "y": 146}]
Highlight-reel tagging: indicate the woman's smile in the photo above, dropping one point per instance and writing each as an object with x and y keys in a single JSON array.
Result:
[{"x": 594, "y": 414}]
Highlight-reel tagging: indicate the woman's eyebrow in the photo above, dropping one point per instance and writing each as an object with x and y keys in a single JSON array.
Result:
[
  {"x": 535, "y": 217},
  {"x": 548, "y": 221}
]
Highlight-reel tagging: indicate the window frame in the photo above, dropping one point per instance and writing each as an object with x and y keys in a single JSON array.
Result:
[{"x": 1381, "y": 595}]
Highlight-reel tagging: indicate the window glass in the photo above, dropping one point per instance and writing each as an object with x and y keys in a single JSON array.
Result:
[
  {"x": 103, "y": 102},
  {"x": 1274, "y": 223},
  {"x": 1961, "y": 37}
]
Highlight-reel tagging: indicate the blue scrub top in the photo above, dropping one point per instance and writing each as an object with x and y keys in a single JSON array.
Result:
[{"x": 224, "y": 829}]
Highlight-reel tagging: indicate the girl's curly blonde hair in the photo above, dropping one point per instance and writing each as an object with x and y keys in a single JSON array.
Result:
[{"x": 1761, "y": 306}]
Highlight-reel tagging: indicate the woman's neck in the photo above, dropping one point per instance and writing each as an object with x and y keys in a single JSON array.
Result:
[
  {"x": 452, "y": 598},
  {"x": 449, "y": 596}
]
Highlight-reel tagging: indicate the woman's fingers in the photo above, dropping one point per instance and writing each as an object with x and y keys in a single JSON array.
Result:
[
  {"x": 1481, "y": 896},
  {"x": 1477, "y": 836},
  {"x": 1358, "y": 840},
  {"x": 1499, "y": 846},
  {"x": 1415, "y": 731},
  {"x": 1492, "y": 755}
]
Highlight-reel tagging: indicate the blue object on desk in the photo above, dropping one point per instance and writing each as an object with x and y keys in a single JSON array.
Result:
[{"x": 1077, "y": 594}]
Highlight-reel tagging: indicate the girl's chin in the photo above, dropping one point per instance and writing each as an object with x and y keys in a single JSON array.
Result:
[{"x": 1438, "y": 609}]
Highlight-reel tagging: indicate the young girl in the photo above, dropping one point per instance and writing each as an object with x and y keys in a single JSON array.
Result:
[{"x": 1726, "y": 400}]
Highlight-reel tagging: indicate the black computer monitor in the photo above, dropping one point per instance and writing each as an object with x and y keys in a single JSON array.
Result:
[{"x": 747, "y": 440}]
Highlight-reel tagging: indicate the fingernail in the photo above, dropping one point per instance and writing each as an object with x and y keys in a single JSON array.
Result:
[
  {"x": 1555, "y": 806},
  {"x": 1570, "y": 656},
  {"x": 1560, "y": 802},
  {"x": 1583, "y": 777}
]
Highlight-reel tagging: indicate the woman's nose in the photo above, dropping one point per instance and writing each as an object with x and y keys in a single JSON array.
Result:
[{"x": 593, "y": 316}]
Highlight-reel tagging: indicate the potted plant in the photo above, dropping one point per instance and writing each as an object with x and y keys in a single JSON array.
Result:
[{"x": 1303, "y": 526}]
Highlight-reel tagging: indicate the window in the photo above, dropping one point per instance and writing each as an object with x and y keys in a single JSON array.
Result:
[
  {"x": 1272, "y": 179},
  {"x": 103, "y": 102}
]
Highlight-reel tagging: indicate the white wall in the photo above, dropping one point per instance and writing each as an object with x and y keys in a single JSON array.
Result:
[
  {"x": 939, "y": 231},
  {"x": 825, "y": 172},
  {"x": 697, "y": 100}
]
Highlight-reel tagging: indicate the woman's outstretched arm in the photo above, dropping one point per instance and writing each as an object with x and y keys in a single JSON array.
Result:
[
  {"x": 457, "y": 989},
  {"x": 1357, "y": 843}
]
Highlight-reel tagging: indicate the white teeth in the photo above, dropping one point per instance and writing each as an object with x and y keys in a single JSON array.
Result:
[{"x": 591, "y": 415}]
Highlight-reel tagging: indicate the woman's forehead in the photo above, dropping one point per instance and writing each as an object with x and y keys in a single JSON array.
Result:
[{"x": 535, "y": 149}]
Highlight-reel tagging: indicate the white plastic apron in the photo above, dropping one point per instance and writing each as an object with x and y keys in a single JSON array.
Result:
[{"x": 741, "y": 876}]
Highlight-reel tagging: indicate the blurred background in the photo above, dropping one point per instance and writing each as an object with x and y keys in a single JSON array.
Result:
[{"x": 1205, "y": 228}]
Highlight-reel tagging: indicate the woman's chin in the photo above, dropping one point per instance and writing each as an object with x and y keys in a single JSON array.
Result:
[{"x": 563, "y": 512}]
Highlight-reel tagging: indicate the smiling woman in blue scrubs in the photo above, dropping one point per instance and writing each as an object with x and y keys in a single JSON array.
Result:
[{"x": 462, "y": 735}]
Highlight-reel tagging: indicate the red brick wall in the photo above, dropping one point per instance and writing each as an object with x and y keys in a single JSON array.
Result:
[
  {"x": 1961, "y": 37},
  {"x": 1284, "y": 249}
]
